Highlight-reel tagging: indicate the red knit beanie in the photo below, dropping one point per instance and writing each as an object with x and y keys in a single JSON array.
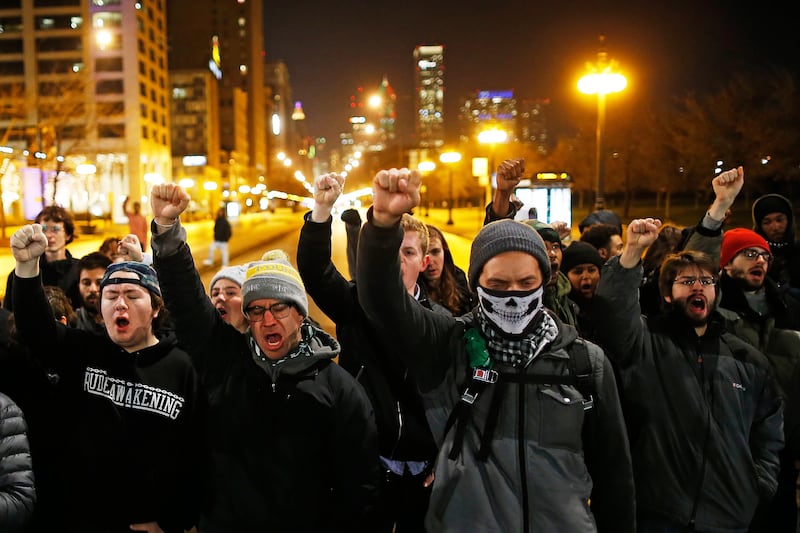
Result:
[{"x": 738, "y": 239}]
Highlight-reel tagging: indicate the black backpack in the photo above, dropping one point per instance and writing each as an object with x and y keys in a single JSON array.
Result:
[{"x": 580, "y": 377}]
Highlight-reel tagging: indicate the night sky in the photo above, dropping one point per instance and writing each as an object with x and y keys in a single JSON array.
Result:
[{"x": 539, "y": 49}]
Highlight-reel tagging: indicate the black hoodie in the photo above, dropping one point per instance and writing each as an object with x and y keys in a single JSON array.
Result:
[{"x": 135, "y": 421}]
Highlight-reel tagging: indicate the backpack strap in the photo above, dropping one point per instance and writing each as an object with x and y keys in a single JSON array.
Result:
[{"x": 478, "y": 378}]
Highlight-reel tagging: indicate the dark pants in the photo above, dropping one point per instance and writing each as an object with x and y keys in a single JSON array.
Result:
[{"x": 404, "y": 502}]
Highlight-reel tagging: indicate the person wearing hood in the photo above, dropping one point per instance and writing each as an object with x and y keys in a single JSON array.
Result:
[
  {"x": 291, "y": 433},
  {"x": 134, "y": 400},
  {"x": 773, "y": 219},
  {"x": 528, "y": 455}
]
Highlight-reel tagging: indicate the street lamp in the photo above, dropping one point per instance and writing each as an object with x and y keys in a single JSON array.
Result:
[
  {"x": 450, "y": 158},
  {"x": 491, "y": 137},
  {"x": 601, "y": 80}
]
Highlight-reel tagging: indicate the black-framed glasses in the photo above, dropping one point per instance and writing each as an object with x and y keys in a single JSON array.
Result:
[
  {"x": 705, "y": 281},
  {"x": 255, "y": 313},
  {"x": 753, "y": 254},
  {"x": 52, "y": 227}
]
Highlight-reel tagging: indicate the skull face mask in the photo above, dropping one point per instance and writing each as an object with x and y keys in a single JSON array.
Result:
[{"x": 510, "y": 311}]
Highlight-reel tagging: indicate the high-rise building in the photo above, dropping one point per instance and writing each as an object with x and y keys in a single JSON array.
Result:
[
  {"x": 533, "y": 127},
  {"x": 489, "y": 109},
  {"x": 227, "y": 37},
  {"x": 85, "y": 84},
  {"x": 194, "y": 112},
  {"x": 429, "y": 95}
]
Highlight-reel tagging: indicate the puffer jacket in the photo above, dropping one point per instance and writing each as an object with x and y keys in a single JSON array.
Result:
[
  {"x": 705, "y": 436},
  {"x": 17, "y": 493},
  {"x": 294, "y": 446},
  {"x": 548, "y": 455}
]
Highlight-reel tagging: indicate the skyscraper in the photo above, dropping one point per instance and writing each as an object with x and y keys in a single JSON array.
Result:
[
  {"x": 429, "y": 95},
  {"x": 87, "y": 83},
  {"x": 489, "y": 109},
  {"x": 237, "y": 29}
]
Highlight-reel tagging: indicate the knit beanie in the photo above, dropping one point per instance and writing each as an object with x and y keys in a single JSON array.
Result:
[
  {"x": 234, "y": 273},
  {"x": 274, "y": 277},
  {"x": 505, "y": 236},
  {"x": 580, "y": 253},
  {"x": 771, "y": 203},
  {"x": 738, "y": 239},
  {"x": 146, "y": 276},
  {"x": 545, "y": 230}
]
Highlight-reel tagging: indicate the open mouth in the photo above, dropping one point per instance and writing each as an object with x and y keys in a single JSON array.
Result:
[
  {"x": 222, "y": 311},
  {"x": 697, "y": 305},
  {"x": 121, "y": 322},
  {"x": 274, "y": 341}
]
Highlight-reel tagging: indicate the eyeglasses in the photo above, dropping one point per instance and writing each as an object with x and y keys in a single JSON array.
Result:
[
  {"x": 256, "y": 313},
  {"x": 689, "y": 282},
  {"x": 53, "y": 228},
  {"x": 753, "y": 255}
]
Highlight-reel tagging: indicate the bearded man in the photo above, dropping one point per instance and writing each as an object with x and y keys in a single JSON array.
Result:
[
  {"x": 757, "y": 310},
  {"x": 702, "y": 406}
]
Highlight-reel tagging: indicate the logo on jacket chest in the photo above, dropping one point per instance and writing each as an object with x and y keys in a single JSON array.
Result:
[{"x": 130, "y": 395}]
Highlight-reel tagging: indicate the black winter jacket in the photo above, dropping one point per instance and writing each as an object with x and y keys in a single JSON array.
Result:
[
  {"x": 62, "y": 273},
  {"x": 222, "y": 230},
  {"x": 294, "y": 447},
  {"x": 368, "y": 356},
  {"x": 704, "y": 413}
]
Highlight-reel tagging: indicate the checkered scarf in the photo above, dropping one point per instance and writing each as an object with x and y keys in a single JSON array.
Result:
[{"x": 518, "y": 352}]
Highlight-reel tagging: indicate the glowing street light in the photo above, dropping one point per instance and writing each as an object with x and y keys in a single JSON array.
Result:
[
  {"x": 450, "y": 158},
  {"x": 491, "y": 137},
  {"x": 601, "y": 80}
]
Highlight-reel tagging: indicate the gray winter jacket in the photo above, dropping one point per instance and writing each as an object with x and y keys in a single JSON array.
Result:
[{"x": 551, "y": 450}]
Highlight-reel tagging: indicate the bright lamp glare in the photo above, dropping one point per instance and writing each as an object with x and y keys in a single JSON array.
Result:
[{"x": 602, "y": 83}]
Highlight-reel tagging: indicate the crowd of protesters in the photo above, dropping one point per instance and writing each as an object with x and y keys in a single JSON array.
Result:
[{"x": 644, "y": 377}]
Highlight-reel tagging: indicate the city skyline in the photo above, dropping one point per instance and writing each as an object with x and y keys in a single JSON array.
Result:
[{"x": 539, "y": 51}]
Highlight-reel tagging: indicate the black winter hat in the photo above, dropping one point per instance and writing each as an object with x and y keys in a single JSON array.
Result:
[
  {"x": 505, "y": 236},
  {"x": 771, "y": 203},
  {"x": 579, "y": 253}
]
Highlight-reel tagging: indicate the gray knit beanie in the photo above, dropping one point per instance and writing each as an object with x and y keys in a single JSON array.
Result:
[
  {"x": 234, "y": 273},
  {"x": 505, "y": 236},
  {"x": 274, "y": 277}
]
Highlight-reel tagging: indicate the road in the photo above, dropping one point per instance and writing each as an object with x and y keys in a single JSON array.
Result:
[{"x": 459, "y": 245}]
